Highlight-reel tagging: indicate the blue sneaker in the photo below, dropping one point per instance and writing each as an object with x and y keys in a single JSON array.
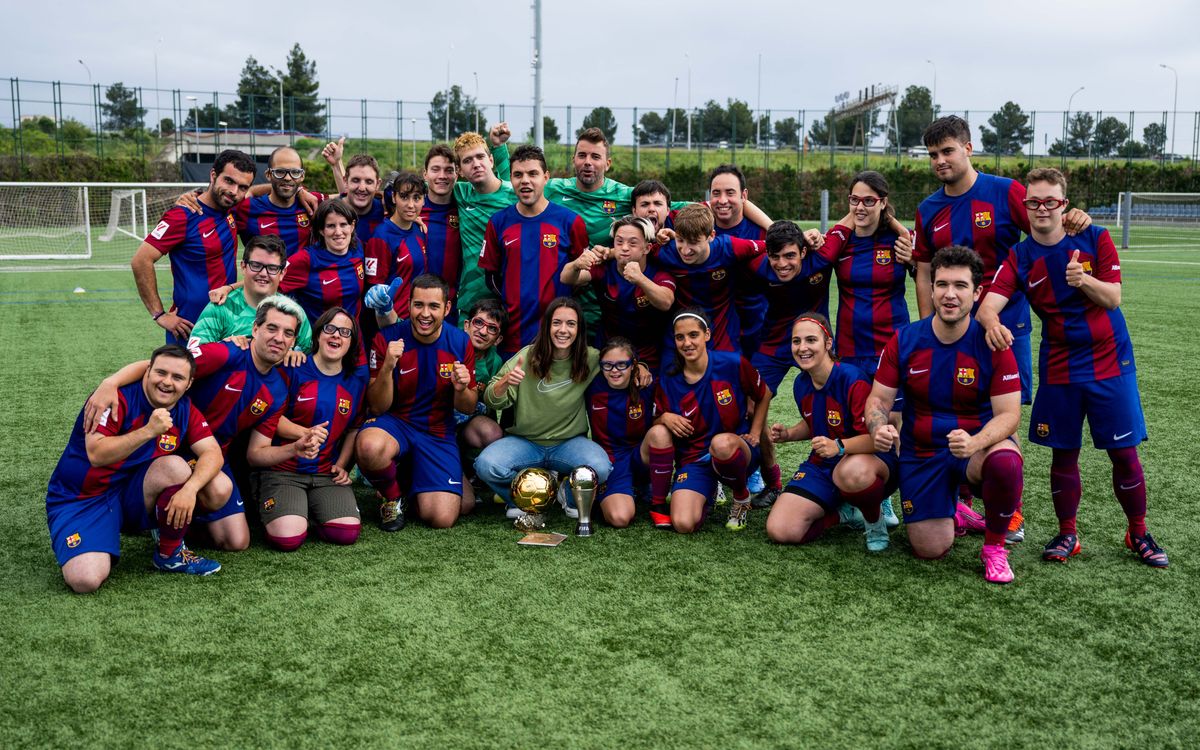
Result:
[
  {"x": 887, "y": 514},
  {"x": 850, "y": 516},
  {"x": 877, "y": 535},
  {"x": 755, "y": 482},
  {"x": 185, "y": 561}
]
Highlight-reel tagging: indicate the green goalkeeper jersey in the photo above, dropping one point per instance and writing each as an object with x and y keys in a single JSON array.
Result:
[
  {"x": 474, "y": 210},
  {"x": 599, "y": 208}
]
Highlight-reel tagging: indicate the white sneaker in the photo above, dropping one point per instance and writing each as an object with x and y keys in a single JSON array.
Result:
[
  {"x": 564, "y": 495},
  {"x": 513, "y": 513},
  {"x": 719, "y": 498}
]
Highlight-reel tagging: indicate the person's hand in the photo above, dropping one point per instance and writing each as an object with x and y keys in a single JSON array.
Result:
[
  {"x": 664, "y": 236},
  {"x": 341, "y": 477},
  {"x": 320, "y": 431},
  {"x": 103, "y": 403},
  {"x": 160, "y": 421},
  {"x": 961, "y": 443},
  {"x": 220, "y": 294},
  {"x": 887, "y": 438},
  {"x": 499, "y": 134},
  {"x": 679, "y": 426},
  {"x": 308, "y": 445},
  {"x": 780, "y": 433},
  {"x": 172, "y": 323},
  {"x": 587, "y": 259},
  {"x": 603, "y": 251},
  {"x": 333, "y": 151},
  {"x": 642, "y": 376},
  {"x": 633, "y": 272},
  {"x": 294, "y": 358},
  {"x": 180, "y": 507},
  {"x": 999, "y": 337},
  {"x": 308, "y": 201},
  {"x": 824, "y": 447},
  {"x": 382, "y": 297},
  {"x": 513, "y": 376},
  {"x": 815, "y": 238},
  {"x": 240, "y": 341},
  {"x": 1075, "y": 221},
  {"x": 395, "y": 350},
  {"x": 1075, "y": 272},
  {"x": 191, "y": 201},
  {"x": 751, "y": 440},
  {"x": 903, "y": 249},
  {"x": 460, "y": 376}
]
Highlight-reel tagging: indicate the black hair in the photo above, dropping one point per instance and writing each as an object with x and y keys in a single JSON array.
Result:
[
  {"x": 956, "y": 256},
  {"x": 240, "y": 160}
]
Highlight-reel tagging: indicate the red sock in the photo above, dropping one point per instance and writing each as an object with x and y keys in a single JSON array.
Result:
[
  {"x": 733, "y": 472},
  {"x": 169, "y": 537},
  {"x": 286, "y": 543},
  {"x": 1003, "y": 482},
  {"x": 339, "y": 533},
  {"x": 1129, "y": 484},
  {"x": 965, "y": 495},
  {"x": 1065, "y": 487},
  {"x": 384, "y": 480},
  {"x": 662, "y": 466},
  {"x": 772, "y": 477},
  {"x": 820, "y": 526},
  {"x": 867, "y": 500}
]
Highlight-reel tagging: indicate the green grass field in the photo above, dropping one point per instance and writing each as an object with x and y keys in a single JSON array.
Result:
[{"x": 636, "y": 638}]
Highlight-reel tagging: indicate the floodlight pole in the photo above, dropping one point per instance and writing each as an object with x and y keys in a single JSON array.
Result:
[
  {"x": 689, "y": 99},
  {"x": 476, "y": 74},
  {"x": 196, "y": 124},
  {"x": 758, "y": 111},
  {"x": 538, "y": 134},
  {"x": 1174, "y": 107},
  {"x": 933, "y": 98},
  {"x": 1066, "y": 118},
  {"x": 279, "y": 75}
]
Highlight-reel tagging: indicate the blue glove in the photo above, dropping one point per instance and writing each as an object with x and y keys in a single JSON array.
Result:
[{"x": 382, "y": 297}]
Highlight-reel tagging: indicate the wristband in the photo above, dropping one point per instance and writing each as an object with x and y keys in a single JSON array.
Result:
[
  {"x": 841, "y": 447},
  {"x": 158, "y": 315}
]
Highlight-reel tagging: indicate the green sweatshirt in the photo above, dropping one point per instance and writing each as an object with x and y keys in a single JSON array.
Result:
[
  {"x": 236, "y": 318},
  {"x": 546, "y": 411}
]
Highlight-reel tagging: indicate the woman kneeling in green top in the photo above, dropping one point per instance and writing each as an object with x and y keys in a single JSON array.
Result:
[{"x": 549, "y": 423}]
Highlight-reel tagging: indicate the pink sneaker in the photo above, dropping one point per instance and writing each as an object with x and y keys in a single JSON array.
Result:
[
  {"x": 967, "y": 521},
  {"x": 995, "y": 564}
]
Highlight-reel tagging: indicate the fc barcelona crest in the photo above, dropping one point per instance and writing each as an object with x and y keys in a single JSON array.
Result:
[
  {"x": 74, "y": 540},
  {"x": 258, "y": 407},
  {"x": 635, "y": 411},
  {"x": 816, "y": 278},
  {"x": 610, "y": 207},
  {"x": 797, "y": 476},
  {"x": 358, "y": 266},
  {"x": 1043, "y": 430},
  {"x": 444, "y": 369},
  {"x": 983, "y": 219},
  {"x": 718, "y": 275},
  {"x": 453, "y": 221},
  {"x": 167, "y": 442},
  {"x": 641, "y": 301},
  {"x": 883, "y": 256},
  {"x": 549, "y": 240},
  {"x": 724, "y": 397},
  {"x": 834, "y": 417},
  {"x": 343, "y": 406},
  {"x": 965, "y": 376},
  {"x": 302, "y": 219},
  {"x": 232, "y": 224}
]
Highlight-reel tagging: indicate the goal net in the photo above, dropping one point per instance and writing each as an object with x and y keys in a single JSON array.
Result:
[
  {"x": 1155, "y": 219},
  {"x": 98, "y": 222}
]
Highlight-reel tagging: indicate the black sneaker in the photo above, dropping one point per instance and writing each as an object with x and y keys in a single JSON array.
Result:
[
  {"x": 1147, "y": 550},
  {"x": 766, "y": 498},
  {"x": 1061, "y": 548},
  {"x": 391, "y": 515}
]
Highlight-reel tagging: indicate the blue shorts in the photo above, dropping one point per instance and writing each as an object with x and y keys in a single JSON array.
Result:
[
  {"x": 772, "y": 369},
  {"x": 628, "y": 472},
  {"x": 232, "y": 506},
  {"x": 461, "y": 418},
  {"x": 815, "y": 481},
  {"x": 929, "y": 485},
  {"x": 434, "y": 461},
  {"x": 868, "y": 365},
  {"x": 701, "y": 477},
  {"x": 95, "y": 524},
  {"x": 1023, "y": 351},
  {"x": 1112, "y": 406}
]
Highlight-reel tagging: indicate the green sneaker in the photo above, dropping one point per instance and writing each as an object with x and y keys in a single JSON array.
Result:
[
  {"x": 738, "y": 513},
  {"x": 877, "y": 535}
]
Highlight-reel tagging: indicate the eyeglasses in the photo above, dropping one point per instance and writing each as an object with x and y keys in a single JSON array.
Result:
[
  {"x": 491, "y": 328},
  {"x": 868, "y": 201},
  {"x": 272, "y": 269},
  {"x": 620, "y": 365},
  {"x": 1049, "y": 204},
  {"x": 280, "y": 173},
  {"x": 331, "y": 329}
]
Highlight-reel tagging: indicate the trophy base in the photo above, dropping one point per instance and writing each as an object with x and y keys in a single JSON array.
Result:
[
  {"x": 583, "y": 528},
  {"x": 530, "y": 522}
]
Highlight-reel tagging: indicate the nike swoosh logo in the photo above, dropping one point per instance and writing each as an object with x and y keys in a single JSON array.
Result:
[
  {"x": 940, "y": 227},
  {"x": 845, "y": 258},
  {"x": 1122, "y": 437},
  {"x": 327, "y": 282},
  {"x": 451, "y": 481},
  {"x": 469, "y": 208},
  {"x": 265, "y": 224},
  {"x": 509, "y": 242},
  {"x": 598, "y": 408},
  {"x": 1135, "y": 485},
  {"x": 239, "y": 390},
  {"x": 1032, "y": 284},
  {"x": 660, "y": 471},
  {"x": 808, "y": 414},
  {"x": 405, "y": 372},
  {"x": 566, "y": 198},
  {"x": 402, "y": 259},
  {"x": 240, "y": 503},
  {"x": 209, "y": 232},
  {"x": 774, "y": 284},
  {"x": 917, "y": 372},
  {"x": 690, "y": 412},
  {"x": 544, "y": 387},
  {"x": 310, "y": 398}
]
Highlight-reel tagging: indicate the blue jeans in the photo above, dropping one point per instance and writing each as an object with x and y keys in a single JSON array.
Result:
[{"x": 501, "y": 461}]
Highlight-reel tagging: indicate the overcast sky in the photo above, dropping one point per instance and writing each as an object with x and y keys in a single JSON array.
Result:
[{"x": 627, "y": 53}]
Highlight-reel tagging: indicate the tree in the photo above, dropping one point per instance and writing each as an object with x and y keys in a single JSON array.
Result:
[
  {"x": 1154, "y": 136},
  {"x": 210, "y": 115},
  {"x": 741, "y": 121},
  {"x": 712, "y": 122},
  {"x": 787, "y": 132},
  {"x": 653, "y": 127},
  {"x": 1011, "y": 130},
  {"x": 301, "y": 87},
  {"x": 258, "y": 92},
  {"x": 1110, "y": 134},
  {"x": 603, "y": 118},
  {"x": 550, "y": 132},
  {"x": 1079, "y": 133},
  {"x": 121, "y": 111},
  {"x": 463, "y": 110},
  {"x": 846, "y": 130},
  {"x": 913, "y": 114},
  {"x": 166, "y": 126},
  {"x": 1133, "y": 150}
]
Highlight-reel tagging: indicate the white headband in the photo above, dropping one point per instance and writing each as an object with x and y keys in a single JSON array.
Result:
[{"x": 703, "y": 322}]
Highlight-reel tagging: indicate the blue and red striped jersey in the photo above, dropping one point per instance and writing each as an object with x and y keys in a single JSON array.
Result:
[
  {"x": 715, "y": 403},
  {"x": 1081, "y": 341},
  {"x": 443, "y": 249},
  {"x": 988, "y": 218},
  {"x": 367, "y": 223},
  {"x": 751, "y": 304},
  {"x": 529, "y": 254},
  {"x": 203, "y": 249},
  {"x": 259, "y": 215},
  {"x": 319, "y": 280},
  {"x": 423, "y": 393},
  {"x": 313, "y": 398},
  {"x": 75, "y": 478},
  {"x": 233, "y": 395},
  {"x": 625, "y": 310},
  {"x": 394, "y": 252},
  {"x": 946, "y": 386},
  {"x": 871, "y": 304},
  {"x": 787, "y": 300},
  {"x": 617, "y": 422},
  {"x": 836, "y": 410},
  {"x": 709, "y": 285}
]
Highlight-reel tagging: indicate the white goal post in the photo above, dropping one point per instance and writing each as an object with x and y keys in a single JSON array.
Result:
[{"x": 66, "y": 220}]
